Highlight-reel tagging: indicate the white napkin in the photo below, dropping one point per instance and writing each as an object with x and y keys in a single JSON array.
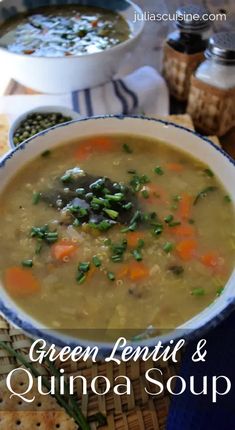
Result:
[{"x": 141, "y": 92}]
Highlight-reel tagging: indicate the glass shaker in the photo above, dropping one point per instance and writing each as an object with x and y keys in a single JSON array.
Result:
[{"x": 212, "y": 92}]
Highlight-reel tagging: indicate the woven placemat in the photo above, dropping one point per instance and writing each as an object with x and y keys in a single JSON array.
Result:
[{"x": 138, "y": 411}]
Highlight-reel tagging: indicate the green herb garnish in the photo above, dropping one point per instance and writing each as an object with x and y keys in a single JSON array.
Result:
[
  {"x": 137, "y": 254},
  {"x": 27, "y": 263},
  {"x": 43, "y": 233},
  {"x": 168, "y": 219},
  {"x": 209, "y": 173},
  {"x": 111, "y": 276},
  {"x": 219, "y": 291},
  {"x": 36, "y": 197},
  {"x": 145, "y": 194},
  {"x": 159, "y": 170},
  {"x": 127, "y": 148},
  {"x": 96, "y": 261},
  {"x": 204, "y": 193},
  {"x": 227, "y": 199},
  {"x": 111, "y": 213},
  {"x": 198, "y": 292},
  {"x": 167, "y": 247}
]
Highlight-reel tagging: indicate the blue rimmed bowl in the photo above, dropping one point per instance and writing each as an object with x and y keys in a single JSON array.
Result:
[
  {"x": 175, "y": 136},
  {"x": 70, "y": 73}
]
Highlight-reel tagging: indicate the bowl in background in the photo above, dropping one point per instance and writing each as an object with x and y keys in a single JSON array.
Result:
[
  {"x": 175, "y": 136},
  {"x": 66, "y": 74},
  {"x": 41, "y": 109}
]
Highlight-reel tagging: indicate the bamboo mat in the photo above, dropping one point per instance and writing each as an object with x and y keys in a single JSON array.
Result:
[{"x": 138, "y": 411}]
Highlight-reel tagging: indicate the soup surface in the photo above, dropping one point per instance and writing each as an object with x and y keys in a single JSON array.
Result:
[
  {"x": 122, "y": 233},
  {"x": 64, "y": 30}
]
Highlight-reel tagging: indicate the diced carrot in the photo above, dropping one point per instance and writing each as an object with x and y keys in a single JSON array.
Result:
[
  {"x": 135, "y": 271},
  {"x": 123, "y": 272},
  {"x": 133, "y": 238},
  {"x": 138, "y": 271},
  {"x": 185, "y": 206},
  {"x": 186, "y": 249},
  {"x": 83, "y": 151},
  {"x": 183, "y": 230},
  {"x": 102, "y": 143},
  {"x": 97, "y": 144},
  {"x": 175, "y": 167},
  {"x": 21, "y": 282},
  {"x": 211, "y": 259},
  {"x": 63, "y": 249}
]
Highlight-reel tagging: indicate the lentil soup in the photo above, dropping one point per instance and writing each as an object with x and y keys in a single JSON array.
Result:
[
  {"x": 64, "y": 30},
  {"x": 123, "y": 233}
]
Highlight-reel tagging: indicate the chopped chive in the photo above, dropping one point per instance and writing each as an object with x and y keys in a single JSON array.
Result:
[
  {"x": 137, "y": 254},
  {"x": 111, "y": 213},
  {"x": 27, "y": 263},
  {"x": 67, "y": 177},
  {"x": 84, "y": 267},
  {"x": 167, "y": 247},
  {"x": 36, "y": 197},
  {"x": 96, "y": 261},
  {"x": 191, "y": 221},
  {"x": 145, "y": 194},
  {"x": 111, "y": 276},
  {"x": 107, "y": 242},
  {"x": 159, "y": 170},
  {"x": 127, "y": 206},
  {"x": 203, "y": 194},
  {"x": 140, "y": 243},
  {"x": 174, "y": 223},
  {"x": 81, "y": 277},
  {"x": 219, "y": 291},
  {"x": 209, "y": 173},
  {"x": 227, "y": 199},
  {"x": 117, "y": 197},
  {"x": 46, "y": 153},
  {"x": 168, "y": 219},
  {"x": 198, "y": 292},
  {"x": 158, "y": 229},
  {"x": 80, "y": 192},
  {"x": 127, "y": 148},
  {"x": 177, "y": 198},
  {"x": 76, "y": 223},
  {"x": 38, "y": 248}
]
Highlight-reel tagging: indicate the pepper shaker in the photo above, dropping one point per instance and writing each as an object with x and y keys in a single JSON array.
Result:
[
  {"x": 184, "y": 49},
  {"x": 212, "y": 92}
]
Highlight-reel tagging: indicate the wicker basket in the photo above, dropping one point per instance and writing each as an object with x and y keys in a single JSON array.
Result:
[
  {"x": 212, "y": 109},
  {"x": 177, "y": 70}
]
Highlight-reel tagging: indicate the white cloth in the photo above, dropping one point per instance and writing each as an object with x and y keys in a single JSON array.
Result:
[{"x": 142, "y": 92}]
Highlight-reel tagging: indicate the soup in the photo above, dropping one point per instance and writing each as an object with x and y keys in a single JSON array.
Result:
[
  {"x": 124, "y": 233},
  {"x": 64, "y": 30}
]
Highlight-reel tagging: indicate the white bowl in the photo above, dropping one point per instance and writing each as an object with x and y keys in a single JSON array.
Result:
[
  {"x": 71, "y": 73},
  {"x": 177, "y": 137},
  {"x": 41, "y": 109}
]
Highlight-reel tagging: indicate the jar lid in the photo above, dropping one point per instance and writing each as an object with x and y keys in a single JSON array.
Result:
[
  {"x": 192, "y": 17},
  {"x": 222, "y": 47}
]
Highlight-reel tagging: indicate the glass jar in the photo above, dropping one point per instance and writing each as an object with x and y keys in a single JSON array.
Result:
[
  {"x": 184, "y": 49},
  {"x": 219, "y": 67},
  {"x": 211, "y": 100}
]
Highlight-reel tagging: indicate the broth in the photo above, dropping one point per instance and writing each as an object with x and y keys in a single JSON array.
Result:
[
  {"x": 64, "y": 30},
  {"x": 124, "y": 233}
]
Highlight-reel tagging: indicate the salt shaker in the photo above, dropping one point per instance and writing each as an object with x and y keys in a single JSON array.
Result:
[
  {"x": 212, "y": 92},
  {"x": 184, "y": 49}
]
